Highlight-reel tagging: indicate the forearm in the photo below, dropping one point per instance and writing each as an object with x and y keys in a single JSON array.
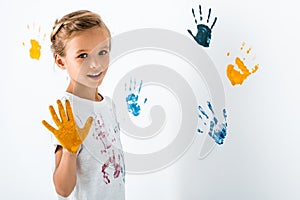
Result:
[{"x": 64, "y": 176}]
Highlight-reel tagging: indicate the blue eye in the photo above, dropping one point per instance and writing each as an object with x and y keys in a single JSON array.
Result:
[
  {"x": 103, "y": 52},
  {"x": 83, "y": 55}
]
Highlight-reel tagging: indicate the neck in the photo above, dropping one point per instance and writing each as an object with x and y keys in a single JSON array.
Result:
[{"x": 84, "y": 92}]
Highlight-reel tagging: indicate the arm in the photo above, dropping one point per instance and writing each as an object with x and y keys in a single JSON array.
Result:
[
  {"x": 70, "y": 137},
  {"x": 64, "y": 176}
]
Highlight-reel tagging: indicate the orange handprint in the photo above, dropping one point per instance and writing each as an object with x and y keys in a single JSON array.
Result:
[
  {"x": 68, "y": 134},
  {"x": 238, "y": 76}
]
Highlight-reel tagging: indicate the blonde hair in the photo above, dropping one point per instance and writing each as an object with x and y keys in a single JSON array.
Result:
[{"x": 70, "y": 24}]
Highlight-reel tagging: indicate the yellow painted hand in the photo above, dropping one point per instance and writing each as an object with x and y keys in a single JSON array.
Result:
[{"x": 68, "y": 133}]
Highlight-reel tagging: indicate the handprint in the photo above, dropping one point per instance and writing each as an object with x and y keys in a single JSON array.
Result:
[
  {"x": 132, "y": 99},
  {"x": 35, "y": 47},
  {"x": 68, "y": 133},
  {"x": 217, "y": 131},
  {"x": 203, "y": 35},
  {"x": 238, "y": 76}
]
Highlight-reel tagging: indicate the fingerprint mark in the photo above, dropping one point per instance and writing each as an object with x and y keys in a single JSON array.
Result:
[
  {"x": 243, "y": 44},
  {"x": 200, "y": 11},
  {"x": 199, "y": 130},
  {"x": 255, "y": 69},
  {"x": 202, "y": 111},
  {"x": 248, "y": 51},
  {"x": 238, "y": 76}
]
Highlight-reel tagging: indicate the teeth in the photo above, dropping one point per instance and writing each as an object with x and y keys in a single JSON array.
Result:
[{"x": 98, "y": 74}]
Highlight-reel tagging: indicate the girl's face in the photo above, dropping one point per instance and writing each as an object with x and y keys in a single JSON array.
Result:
[{"x": 86, "y": 58}]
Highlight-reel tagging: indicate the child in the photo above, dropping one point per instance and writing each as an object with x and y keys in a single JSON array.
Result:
[{"x": 89, "y": 161}]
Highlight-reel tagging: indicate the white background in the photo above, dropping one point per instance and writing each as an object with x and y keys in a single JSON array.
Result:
[{"x": 260, "y": 157}]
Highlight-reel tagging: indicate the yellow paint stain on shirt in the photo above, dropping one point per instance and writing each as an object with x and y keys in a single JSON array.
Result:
[
  {"x": 35, "y": 50},
  {"x": 238, "y": 76}
]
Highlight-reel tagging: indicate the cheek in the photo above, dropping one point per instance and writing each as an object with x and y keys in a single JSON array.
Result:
[
  {"x": 105, "y": 60},
  {"x": 74, "y": 68},
  {"x": 105, "y": 72}
]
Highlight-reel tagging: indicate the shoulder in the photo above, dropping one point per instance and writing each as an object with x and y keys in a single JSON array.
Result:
[
  {"x": 109, "y": 102},
  {"x": 107, "y": 99}
]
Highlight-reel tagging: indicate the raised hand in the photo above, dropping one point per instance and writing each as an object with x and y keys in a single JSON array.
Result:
[{"x": 68, "y": 133}]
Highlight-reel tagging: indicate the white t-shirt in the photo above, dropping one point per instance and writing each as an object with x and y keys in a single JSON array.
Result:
[{"x": 100, "y": 161}]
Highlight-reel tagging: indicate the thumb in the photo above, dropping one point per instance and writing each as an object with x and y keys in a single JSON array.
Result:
[
  {"x": 85, "y": 130},
  {"x": 190, "y": 32}
]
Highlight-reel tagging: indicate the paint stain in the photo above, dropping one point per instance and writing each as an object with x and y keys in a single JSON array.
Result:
[
  {"x": 217, "y": 131},
  {"x": 35, "y": 50},
  {"x": 132, "y": 99},
  {"x": 203, "y": 36},
  {"x": 113, "y": 162},
  {"x": 238, "y": 76},
  {"x": 35, "y": 45}
]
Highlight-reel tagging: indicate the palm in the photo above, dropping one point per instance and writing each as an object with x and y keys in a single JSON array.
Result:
[{"x": 68, "y": 133}]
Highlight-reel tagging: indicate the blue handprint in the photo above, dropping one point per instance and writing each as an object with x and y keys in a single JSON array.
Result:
[
  {"x": 203, "y": 36},
  {"x": 133, "y": 97},
  {"x": 217, "y": 131}
]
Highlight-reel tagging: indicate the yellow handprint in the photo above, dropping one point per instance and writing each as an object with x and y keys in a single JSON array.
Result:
[
  {"x": 238, "y": 76},
  {"x": 35, "y": 44},
  {"x": 35, "y": 50},
  {"x": 68, "y": 134}
]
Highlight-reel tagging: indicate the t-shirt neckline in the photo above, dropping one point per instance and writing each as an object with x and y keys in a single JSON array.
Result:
[{"x": 86, "y": 100}]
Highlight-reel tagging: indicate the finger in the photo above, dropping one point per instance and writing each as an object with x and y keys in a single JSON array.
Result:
[
  {"x": 49, "y": 127},
  {"x": 190, "y": 32},
  {"x": 54, "y": 116},
  {"x": 62, "y": 113},
  {"x": 69, "y": 111}
]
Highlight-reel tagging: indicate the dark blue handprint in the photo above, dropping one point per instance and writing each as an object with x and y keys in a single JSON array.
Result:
[
  {"x": 132, "y": 99},
  {"x": 217, "y": 131},
  {"x": 203, "y": 35}
]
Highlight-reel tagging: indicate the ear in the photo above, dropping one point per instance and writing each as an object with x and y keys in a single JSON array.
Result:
[{"x": 60, "y": 61}]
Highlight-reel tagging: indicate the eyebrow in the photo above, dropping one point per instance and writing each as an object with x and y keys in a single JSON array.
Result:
[
  {"x": 104, "y": 46},
  {"x": 85, "y": 50},
  {"x": 80, "y": 51}
]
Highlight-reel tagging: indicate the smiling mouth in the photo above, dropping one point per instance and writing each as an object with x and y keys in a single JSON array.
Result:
[{"x": 95, "y": 75}]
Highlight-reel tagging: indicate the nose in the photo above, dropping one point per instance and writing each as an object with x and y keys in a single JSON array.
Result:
[
  {"x": 92, "y": 66},
  {"x": 95, "y": 62}
]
